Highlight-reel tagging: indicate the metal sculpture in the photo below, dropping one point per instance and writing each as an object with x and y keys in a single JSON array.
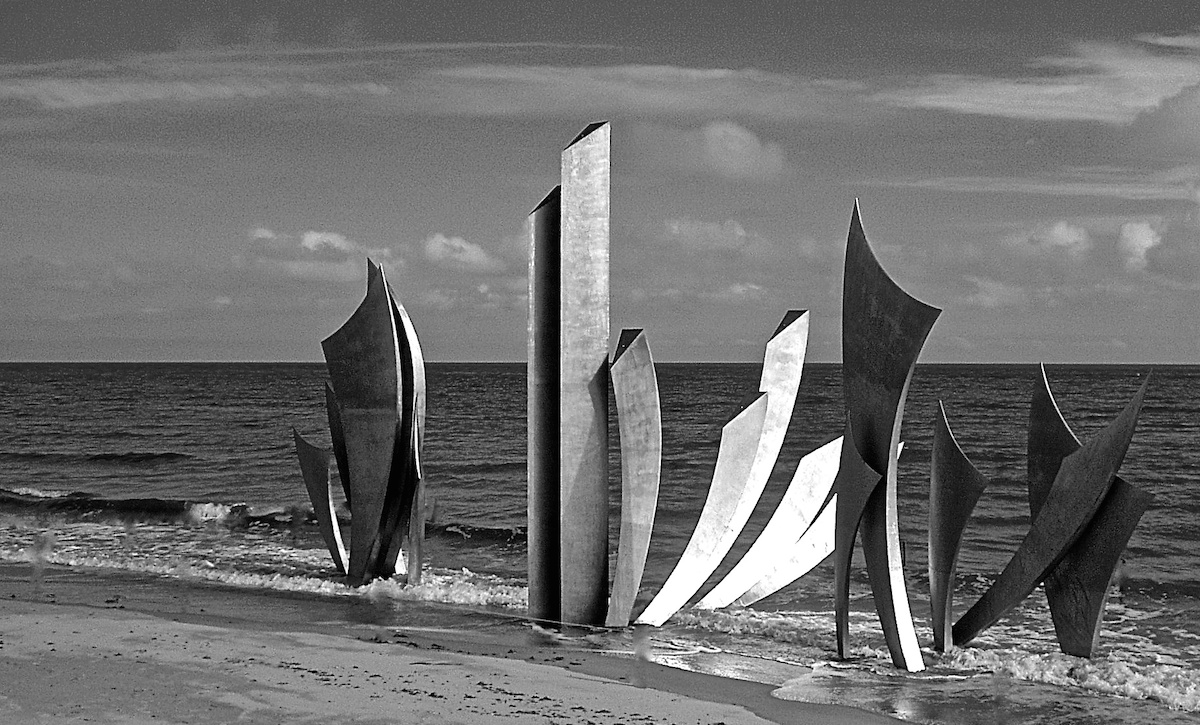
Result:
[
  {"x": 745, "y": 458},
  {"x": 741, "y": 433},
  {"x": 635, "y": 390},
  {"x": 788, "y": 546},
  {"x": 1081, "y": 484},
  {"x": 954, "y": 488},
  {"x": 1077, "y": 589},
  {"x": 568, "y": 388},
  {"x": 377, "y": 409},
  {"x": 314, "y": 466},
  {"x": 733, "y": 495},
  {"x": 883, "y": 330}
]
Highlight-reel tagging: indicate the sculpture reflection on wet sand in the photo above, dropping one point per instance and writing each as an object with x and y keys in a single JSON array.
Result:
[
  {"x": 883, "y": 331},
  {"x": 375, "y": 400},
  {"x": 1082, "y": 515},
  {"x": 1066, "y": 511}
]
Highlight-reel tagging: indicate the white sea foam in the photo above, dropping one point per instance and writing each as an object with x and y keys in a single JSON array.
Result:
[{"x": 1174, "y": 686}]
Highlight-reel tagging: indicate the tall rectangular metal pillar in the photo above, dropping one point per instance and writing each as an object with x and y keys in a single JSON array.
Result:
[
  {"x": 568, "y": 388},
  {"x": 542, "y": 376},
  {"x": 583, "y": 378}
]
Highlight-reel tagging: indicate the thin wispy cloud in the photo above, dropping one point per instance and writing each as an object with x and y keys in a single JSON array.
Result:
[
  {"x": 320, "y": 256},
  {"x": 437, "y": 79},
  {"x": 459, "y": 254},
  {"x": 1111, "y": 84},
  {"x": 1178, "y": 183}
]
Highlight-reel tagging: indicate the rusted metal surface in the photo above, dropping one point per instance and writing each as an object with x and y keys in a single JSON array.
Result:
[{"x": 639, "y": 419}]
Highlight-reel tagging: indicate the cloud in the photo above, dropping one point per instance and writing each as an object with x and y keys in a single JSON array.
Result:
[
  {"x": 1175, "y": 183},
  {"x": 313, "y": 255},
  {"x": 720, "y": 148},
  {"x": 457, "y": 253},
  {"x": 1135, "y": 242},
  {"x": 643, "y": 90},
  {"x": 1058, "y": 240},
  {"x": 991, "y": 293},
  {"x": 727, "y": 236},
  {"x": 429, "y": 78},
  {"x": 1111, "y": 84}
]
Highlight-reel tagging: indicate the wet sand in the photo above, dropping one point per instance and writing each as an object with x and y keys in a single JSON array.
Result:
[{"x": 87, "y": 646}]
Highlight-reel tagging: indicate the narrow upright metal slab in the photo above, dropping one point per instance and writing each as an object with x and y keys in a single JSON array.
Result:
[
  {"x": 583, "y": 378},
  {"x": 883, "y": 331},
  {"x": 778, "y": 548},
  {"x": 314, "y": 466},
  {"x": 338, "y": 439},
  {"x": 730, "y": 504},
  {"x": 635, "y": 390},
  {"x": 543, "y": 412},
  {"x": 363, "y": 360},
  {"x": 954, "y": 488},
  {"x": 405, "y": 514},
  {"x": 739, "y": 438},
  {"x": 1077, "y": 589},
  {"x": 1080, "y": 486}
]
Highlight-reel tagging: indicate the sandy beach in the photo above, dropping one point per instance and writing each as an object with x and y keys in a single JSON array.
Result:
[{"x": 88, "y": 646}]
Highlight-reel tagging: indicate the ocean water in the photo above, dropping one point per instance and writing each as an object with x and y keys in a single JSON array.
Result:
[{"x": 188, "y": 471}]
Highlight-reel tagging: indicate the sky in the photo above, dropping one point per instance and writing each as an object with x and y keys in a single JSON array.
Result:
[{"x": 204, "y": 180}]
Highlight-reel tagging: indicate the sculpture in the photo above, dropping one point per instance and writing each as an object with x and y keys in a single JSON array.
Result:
[
  {"x": 954, "y": 488},
  {"x": 375, "y": 401},
  {"x": 635, "y": 390},
  {"x": 780, "y": 555},
  {"x": 568, "y": 388},
  {"x": 1080, "y": 486},
  {"x": 314, "y": 466},
  {"x": 747, "y": 454},
  {"x": 1077, "y": 589},
  {"x": 883, "y": 330}
]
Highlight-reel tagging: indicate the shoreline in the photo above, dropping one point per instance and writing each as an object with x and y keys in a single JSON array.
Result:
[{"x": 101, "y": 646}]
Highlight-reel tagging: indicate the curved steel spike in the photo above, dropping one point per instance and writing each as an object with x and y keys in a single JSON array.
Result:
[{"x": 954, "y": 488}]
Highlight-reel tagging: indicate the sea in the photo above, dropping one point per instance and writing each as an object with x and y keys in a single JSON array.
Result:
[{"x": 188, "y": 471}]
